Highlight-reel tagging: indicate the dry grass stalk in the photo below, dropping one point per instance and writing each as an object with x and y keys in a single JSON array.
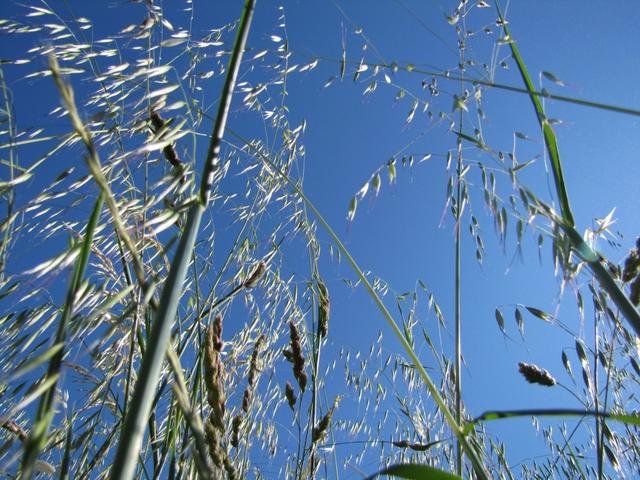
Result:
[{"x": 534, "y": 374}]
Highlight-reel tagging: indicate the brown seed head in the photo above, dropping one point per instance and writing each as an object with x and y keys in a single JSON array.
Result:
[
  {"x": 290, "y": 395},
  {"x": 257, "y": 273},
  {"x": 535, "y": 374}
]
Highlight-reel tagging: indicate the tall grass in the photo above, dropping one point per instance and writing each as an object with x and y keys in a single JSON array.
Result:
[{"x": 195, "y": 268}]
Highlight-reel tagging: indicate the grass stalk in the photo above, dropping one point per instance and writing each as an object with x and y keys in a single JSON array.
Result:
[
  {"x": 567, "y": 223},
  {"x": 125, "y": 461}
]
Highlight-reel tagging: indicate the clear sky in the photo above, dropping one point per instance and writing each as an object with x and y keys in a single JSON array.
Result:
[{"x": 406, "y": 233}]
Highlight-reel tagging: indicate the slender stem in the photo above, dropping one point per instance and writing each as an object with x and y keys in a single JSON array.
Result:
[{"x": 458, "y": 320}]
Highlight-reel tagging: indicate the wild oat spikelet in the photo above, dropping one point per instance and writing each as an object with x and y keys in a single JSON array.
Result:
[
  {"x": 535, "y": 374},
  {"x": 214, "y": 373},
  {"x": 323, "y": 310},
  {"x": 297, "y": 356},
  {"x": 290, "y": 395},
  {"x": 253, "y": 279}
]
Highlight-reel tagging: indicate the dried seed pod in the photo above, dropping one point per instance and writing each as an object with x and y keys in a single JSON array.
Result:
[
  {"x": 298, "y": 357},
  {"x": 290, "y": 395},
  {"x": 535, "y": 374},
  {"x": 257, "y": 273},
  {"x": 323, "y": 310},
  {"x": 401, "y": 443}
]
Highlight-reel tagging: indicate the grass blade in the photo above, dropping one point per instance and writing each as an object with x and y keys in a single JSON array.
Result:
[
  {"x": 415, "y": 472},
  {"x": 548, "y": 133},
  {"x": 38, "y": 437},
  {"x": 554, "y": 412}
]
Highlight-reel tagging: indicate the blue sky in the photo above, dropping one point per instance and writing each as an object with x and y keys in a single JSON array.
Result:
[{"x": 406, "y": 233}]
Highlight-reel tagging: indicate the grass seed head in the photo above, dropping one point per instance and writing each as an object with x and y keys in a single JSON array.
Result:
[
  {"x": 298, "y": 357},
  {"x": 323, "y": 310},
  {"x": 534, "y": 374},
  {"x": 253, "y": 279},
  {"x": 290, "y": 395},
  {"x": 214, "y": 373}
]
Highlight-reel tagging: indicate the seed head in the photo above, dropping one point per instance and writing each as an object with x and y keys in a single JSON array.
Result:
[
  {"x": 290, "y": 395},
  {"x": 297, "y": 356},
  {"x": 534, "y": 374},
  {"x": 253, "y": 279}
]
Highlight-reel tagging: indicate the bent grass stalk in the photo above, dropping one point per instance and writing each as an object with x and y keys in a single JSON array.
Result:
[
  {"x": 133, "y": 429},
  {"x": 474, "y": 456},
  {"x": 584, "y": 251}
]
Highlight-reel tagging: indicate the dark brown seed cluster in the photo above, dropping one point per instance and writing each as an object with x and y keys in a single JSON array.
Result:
[
  {"x": 535, "y": 374},
  {"x": 255, "y": 276},
  {"x": 631, "y": 273},
  {"x": 297, "y": 357},
  {"x": 290, "y": 395},
  {"x": 157, "y": 124},
  {"x": 417, "y": 447},
  {"x": 323, "y": 310}
]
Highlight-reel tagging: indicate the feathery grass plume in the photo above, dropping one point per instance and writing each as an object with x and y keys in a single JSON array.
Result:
[
  {"x": 323, "y": 310},
  {"x": 297, "y": 356},
  {"x": 534, "y": 374},
  {"x": 320, "y": 429},
  {"x": 290, "y": 396},
  {"x": 257, "y": 273},
  {"x": 214, "y": 373}
]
